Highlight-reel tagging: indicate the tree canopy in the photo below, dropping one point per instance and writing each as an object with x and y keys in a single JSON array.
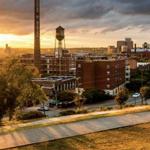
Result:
[
  {"x": 94, "y": 96},
  {"x": 145, "y": 93},
  {"x": 16, "y": 86},
  {"x": 122, "y": 96}
]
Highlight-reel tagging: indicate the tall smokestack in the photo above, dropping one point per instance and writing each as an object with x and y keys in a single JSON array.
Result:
[{"x": 37, "y": 53}]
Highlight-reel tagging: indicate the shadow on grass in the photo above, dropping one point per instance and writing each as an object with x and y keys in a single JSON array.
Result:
[{"x": 62, "y": 144}]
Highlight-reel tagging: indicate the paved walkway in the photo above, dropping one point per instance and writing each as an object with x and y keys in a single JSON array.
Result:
[
  {"x": 43, "y": 134},
  {"x": 65, "y": 118}
]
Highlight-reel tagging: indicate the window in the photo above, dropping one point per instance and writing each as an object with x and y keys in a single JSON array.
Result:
[
  {"x": 108, "y": 86},
  {"x": 108, "y": 79},
  {"x": 108, "y": 66},
  {"x": 79, "y": 65},
  {"x": 108, "y": 72}
]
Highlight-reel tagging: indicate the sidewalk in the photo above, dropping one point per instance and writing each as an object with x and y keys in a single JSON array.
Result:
[{"x": 43, "y": 134}]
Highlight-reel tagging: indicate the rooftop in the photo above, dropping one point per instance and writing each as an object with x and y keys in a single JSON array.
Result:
[{"x": 55, "y": 78}]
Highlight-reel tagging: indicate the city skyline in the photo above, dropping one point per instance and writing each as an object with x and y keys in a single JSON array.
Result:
[{"x": 88, "y": 24}]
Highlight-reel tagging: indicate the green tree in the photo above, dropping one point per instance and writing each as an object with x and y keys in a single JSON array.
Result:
[
  {"x": 145, "y": 94},
  {"x": 134, "y": 86},
  {"x": 18, "y": 86},
  {"x": 3, "y": 86},
  {"x": 94, "y": 96},
  {"x": 11, "y": 100},
  {"x": 31, "y": 94},
  {"x": 79, "y": 101},
  {"x": 122, "y": 97}
]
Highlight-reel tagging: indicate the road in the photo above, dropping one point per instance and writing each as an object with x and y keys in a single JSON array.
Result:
[
  {"x": 44, "y": 134},
  {"x": 54, "y": 112}
]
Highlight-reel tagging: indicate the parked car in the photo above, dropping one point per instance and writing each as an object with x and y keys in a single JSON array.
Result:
[
  {"x": 43, "y": 108},
  {"x": 52, "y": 103},
  {"x": 135, "y": 95}
]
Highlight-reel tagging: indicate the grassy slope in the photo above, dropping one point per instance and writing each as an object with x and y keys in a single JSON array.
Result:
[{"x": 130, "y": 138}]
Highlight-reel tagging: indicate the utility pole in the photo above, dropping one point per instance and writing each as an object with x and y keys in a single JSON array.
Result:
[
  {"x": 37, "y": 50},
  {"x": 142, "y": 76}
]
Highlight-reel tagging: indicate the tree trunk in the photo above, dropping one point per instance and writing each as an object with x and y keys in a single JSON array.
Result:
[
  {"x": 10, "y": 114},
  {"x": 142, "y": 99}
]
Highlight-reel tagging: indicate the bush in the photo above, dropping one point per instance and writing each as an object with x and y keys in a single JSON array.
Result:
[
  {"x": 29, "y": 115},
  {"x": 67, "y": 112},
  {"x": 105, "y": 108},
  {"x": 83, "y": 111},
  {"x": 72, "y": 112}
]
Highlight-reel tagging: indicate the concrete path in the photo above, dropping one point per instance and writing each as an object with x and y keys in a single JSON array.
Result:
[
  {"x": 55, "y": 120},
  {"x": 37, "y": 135}
]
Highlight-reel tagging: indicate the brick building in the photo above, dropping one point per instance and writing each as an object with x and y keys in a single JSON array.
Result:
[
  {"x": 133, "y": 65},
  {"x": 141, "y": 54},
  {"x": 107, "y": 75},
  {"x": 126, "y": 45},
  {"x": 51, "y": 65},
  {"x": 57, "y": 84}
]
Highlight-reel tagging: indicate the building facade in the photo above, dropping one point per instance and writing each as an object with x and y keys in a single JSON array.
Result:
[
  {"x": 107, "y": 75},
  {"x": 125, "y": 46},
  {"x": 55, "y": 84},
  {"x": 51, "y": 65}
]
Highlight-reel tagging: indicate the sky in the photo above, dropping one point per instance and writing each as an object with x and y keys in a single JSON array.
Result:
[{"x": 88, "y": 23}]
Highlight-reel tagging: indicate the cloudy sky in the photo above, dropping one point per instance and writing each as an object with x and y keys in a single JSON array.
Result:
[{"x": 88, "y": 23}]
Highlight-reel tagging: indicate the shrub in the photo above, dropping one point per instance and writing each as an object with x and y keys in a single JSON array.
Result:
[
  {"x": 73, "y": 112},
  {"x": 29, "y": 115},
  {"x": 67, "y": 112},
  {"x": 105, "y": 108},
  {"x": 82, "y": 111}
]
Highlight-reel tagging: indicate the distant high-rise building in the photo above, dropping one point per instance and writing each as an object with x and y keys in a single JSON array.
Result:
[
  {"x": 119, "y": 45},
  {"x": 129, "y": 44},
  {"x": 146, "y": 45},
  {"x": 125, "y": 46},
  {"x": 7, "y": 49},
  {"x": 37, "y": 53}
]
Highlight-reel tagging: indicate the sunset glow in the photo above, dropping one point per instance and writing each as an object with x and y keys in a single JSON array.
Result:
[{"x": 87, "y": 24}]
